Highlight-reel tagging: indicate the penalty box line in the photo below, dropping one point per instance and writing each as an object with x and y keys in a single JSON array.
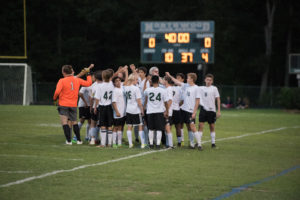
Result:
[{"x": 128, "y": 157}]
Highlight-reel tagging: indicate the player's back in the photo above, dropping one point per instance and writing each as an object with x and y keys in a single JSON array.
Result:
[
  {"x": 132, "y": 94},
  {"x": 104, "y": 93},
  {"x": 69, "y": 93},
  {"x": 156, "y": 96}
]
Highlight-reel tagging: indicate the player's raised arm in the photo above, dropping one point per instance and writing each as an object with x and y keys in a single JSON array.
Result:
[
  {"x": 85, "y": 70},
  {"x": 174, "y": 79}
]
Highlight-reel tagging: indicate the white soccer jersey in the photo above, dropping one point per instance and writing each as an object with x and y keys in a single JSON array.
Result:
[
  {"x": 93, "y": 91},
  {"x": 170, "y": 92},
  {"x": 141, "y": 84},
  {"x": 132, "y": 94},
  {"x": 86, "y": 93},
  {"x": 156, "y": 97},
  {"x": 176, "y": 97},
  {"x": 189, "y": 95},
  {"x": 104, "y": 93},
  {"x": 119, "y": 98},
  {"x": 208, "y": 97}
]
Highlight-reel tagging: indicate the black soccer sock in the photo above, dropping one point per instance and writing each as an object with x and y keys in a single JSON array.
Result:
[
  {"x": 77, "y": 131},
  {"x": 66, "y": 129}
]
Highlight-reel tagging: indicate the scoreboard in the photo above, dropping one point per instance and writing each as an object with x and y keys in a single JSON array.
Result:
[{"x": 177, "y": 42}]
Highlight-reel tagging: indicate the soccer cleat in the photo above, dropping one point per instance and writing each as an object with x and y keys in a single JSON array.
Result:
[
  {"x": 68, "y": 143},
  {"x": 137, "y": 140},
  {"x": 143, "y": 146},
  {"x": 182, "y": 143},
  {"x": 200, "y": 148},
  {"x": 213, "y": 146},
  {"x": 192, "y": 147},
  {"x": 131, "y": 146},
  {"x": 79, "y": 142},
  {"x": 151, "y": 146},
  {"x": 179, "y": 144},
  {"x": 158, "y": 147},
  {"x": 101, "y": 146},
  {"x": 169, "y": 147},
  {"x": 74, "y": 140}
]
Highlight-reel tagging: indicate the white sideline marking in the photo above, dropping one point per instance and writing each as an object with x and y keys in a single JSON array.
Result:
[
  {"x": 129, "y": 157},
  {"x": 35, "y": 156},
  {"x": 16, "y": 172}
]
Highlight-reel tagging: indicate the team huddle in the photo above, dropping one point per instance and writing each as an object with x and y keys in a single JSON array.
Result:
[{"x": 149, "y": 105}]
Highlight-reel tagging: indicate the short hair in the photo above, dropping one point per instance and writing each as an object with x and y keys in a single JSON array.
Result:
[
  {"x": 144, "y": 69},
  {"x": 68, "y": 69},
  {"x": 111, "y": 71},
  {"x": 154, "y": 79},
  {"x": 98, "y": 75},
  {"x": 169, "y": 80},
  {"x": 106, "y": 75},
  {"x": 181, "y": 75},
  {"x": 193, "y": 76},
  {"x": 209, "y": 76},
  {"x": 152, "y": 69},
  {"x": 115, "y": 78}
]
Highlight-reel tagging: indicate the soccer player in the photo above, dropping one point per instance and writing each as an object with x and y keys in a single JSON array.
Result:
[
  {"x": 66, "y": 91},
  {"x": 170, "y": 97},
  {"x": 157, "y": 110},
  {"x": 209, "y": 95},
  {"x": 119, "y": 108},
  {"x": 94, "y": 129},
  {"x": 191, "y": 98},
  {"x": 103, "y": 97},
  {"x": 134, "y": 109},
  {"x": 84, "y": 109}
]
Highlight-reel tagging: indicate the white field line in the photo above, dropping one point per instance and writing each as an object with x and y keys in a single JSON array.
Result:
[
  {"x": 16, "y": 172},
  {"x": 77, "y": 168},
  {"x": 35, "y": 156},
  {"x": 128, "y": 157}
]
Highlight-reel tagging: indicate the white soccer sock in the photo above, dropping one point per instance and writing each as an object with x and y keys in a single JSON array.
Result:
[
  {"x": 179, "y": 139},
  {"x": 91, "y": 134},
  {"x": 129, "y": 137},
  {"x": 158, "y": 137},
  {"x": 170, "y": 139},
  {"x": 142, "y": 136},
  {"x": 110, "y": 136},
  {"x": 80, "y": 125},
  {"x": 87, "y": 131},
  {"x": 182, "y": 135},
  {"x": 213, "y": 137},
  {"x": 146, "y": 131},
  {"x": 119, "y": 137},
  {"x": 151, "y": 134},
  {"x": 198, "y": 136},
  {"x": 103, "y": 137},
  {"x": 191, "y": 138},
  {"x": 114, "y": 134}
]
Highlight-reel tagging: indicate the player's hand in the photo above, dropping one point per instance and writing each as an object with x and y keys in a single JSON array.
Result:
[
  {"x": 132, "y": 67},
  {"x": 193, "y": 115},
  {"x": 125, "y": 68},
  {"x": 166, "y": 114},
  {"x": 55, "y": 102},
  {"x": 149, "y": 77},
  {"x": 142, "y": 113},
  {"x": 95, "y": 111},
  {"x": 118, "y": 114},
  {"x": 218, "y": 114},
  {"x": 91, "y": 66},
  {"x": 168, "y": 74}
]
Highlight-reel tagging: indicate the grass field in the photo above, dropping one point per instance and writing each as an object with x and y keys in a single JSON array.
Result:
[{"x": 259, "y": 150}]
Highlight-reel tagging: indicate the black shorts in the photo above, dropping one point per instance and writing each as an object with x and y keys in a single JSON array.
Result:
[
  {"x": 176, "y": 117},
  {"x": 169, "y": 121},
  {"x": 84, "y": 112},
  {"x": 187, "y": 117},
  {"x": 119, "y": 121},
  {"x": 105, "y": 116},
  {"x": 207, "y": 116},
  {"x": 156, "y": 121},
  {"x": 134, "y": 119},
  {"x": 70, "y": 112}
]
